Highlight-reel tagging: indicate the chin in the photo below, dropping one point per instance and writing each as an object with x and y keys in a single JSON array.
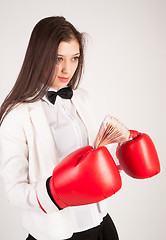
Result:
[{"x": 63, "y": 85}]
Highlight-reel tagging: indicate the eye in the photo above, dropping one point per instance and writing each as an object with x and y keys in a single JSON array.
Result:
[
  {"x": 75, "y": 58},
  {"x": 59, "y": 59}
]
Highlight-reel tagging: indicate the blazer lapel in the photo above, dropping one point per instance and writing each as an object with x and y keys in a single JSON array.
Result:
[
  {"x": 86, "y": 116},
  {"x": 41, "y": 128}
]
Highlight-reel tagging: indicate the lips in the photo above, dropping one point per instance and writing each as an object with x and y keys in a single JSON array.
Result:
[{"x": 64, "y": 79}]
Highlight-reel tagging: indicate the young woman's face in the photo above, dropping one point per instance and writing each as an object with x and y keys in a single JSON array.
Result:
[{"x": 68, "y": 58}]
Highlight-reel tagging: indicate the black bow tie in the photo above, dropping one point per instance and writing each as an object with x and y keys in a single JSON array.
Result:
[{"x": 66, "y": 93}]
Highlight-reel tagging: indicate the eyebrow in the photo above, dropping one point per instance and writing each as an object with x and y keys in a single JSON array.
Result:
[{"x": 72, "y": 55}]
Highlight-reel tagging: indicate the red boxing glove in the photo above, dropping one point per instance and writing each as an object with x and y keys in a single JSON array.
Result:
[
  {"x": 85, "y": 176},
  {"x": 138, "y": 156}
]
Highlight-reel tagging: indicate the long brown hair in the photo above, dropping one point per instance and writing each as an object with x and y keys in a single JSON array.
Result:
[{"x": 38, "y": 69}]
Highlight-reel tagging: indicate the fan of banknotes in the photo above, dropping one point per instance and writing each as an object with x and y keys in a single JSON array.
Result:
[{"x": 111, "y": 131}]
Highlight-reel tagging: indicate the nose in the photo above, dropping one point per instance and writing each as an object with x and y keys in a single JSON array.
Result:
[{"x": 66, "y": 67}]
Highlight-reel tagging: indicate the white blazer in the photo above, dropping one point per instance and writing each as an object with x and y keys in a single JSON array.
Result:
[{"x": 28, "y": 157}]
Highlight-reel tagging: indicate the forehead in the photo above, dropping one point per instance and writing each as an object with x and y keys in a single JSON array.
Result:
[{"x": 69, "y": 48}]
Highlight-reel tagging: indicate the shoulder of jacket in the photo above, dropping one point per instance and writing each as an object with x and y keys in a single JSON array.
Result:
[
  {"x": 81, "y": 93},
  {"x": 16, "y": 115},
  {"x": 12, "y": 116}
]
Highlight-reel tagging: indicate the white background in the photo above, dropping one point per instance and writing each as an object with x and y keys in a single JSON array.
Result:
[{"x": 125, "y": 75}]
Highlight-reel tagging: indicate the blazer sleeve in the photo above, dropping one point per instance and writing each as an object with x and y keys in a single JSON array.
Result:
[{"x": 14, "y": 164}]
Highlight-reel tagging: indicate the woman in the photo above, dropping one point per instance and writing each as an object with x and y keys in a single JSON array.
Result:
[{"x": 40, "y": 128}]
